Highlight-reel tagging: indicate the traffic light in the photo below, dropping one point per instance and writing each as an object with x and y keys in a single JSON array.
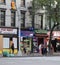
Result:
[{"x": 13, "y": 5}]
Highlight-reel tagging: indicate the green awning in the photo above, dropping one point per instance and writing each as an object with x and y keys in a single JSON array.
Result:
[{"x": 41, "y": 31}]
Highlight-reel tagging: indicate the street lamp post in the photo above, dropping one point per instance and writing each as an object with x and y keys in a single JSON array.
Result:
[
  {"x": 14, "y": 7},
  {"x": 19, "y": 26}
]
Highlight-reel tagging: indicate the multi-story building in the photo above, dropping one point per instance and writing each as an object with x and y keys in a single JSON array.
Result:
[{"x": 9, "y": 21}]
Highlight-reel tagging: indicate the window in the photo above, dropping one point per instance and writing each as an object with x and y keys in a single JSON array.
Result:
[
  {"x": 5, "y": 42},
  {"x": 2, "y": 18},
  {"x": 2, "y": 1},
  {"x": 12, "y": 18},
  {"x": 22, "y": 3},
  {"x": 22, "y": 18},
  {"x": 15, "y": 42}
]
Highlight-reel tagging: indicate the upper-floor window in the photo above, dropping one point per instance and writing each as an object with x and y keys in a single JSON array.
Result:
[
  {"x": 22, "y": 18},
  {"x": 22, "y": 3},
  {"x": 2, "y": 18},
  {"x": 12, "y": 18},
  {"x": 2, "y": 1}
]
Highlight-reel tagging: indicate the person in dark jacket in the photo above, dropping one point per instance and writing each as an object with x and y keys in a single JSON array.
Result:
[{"x": 12, "y": 47}]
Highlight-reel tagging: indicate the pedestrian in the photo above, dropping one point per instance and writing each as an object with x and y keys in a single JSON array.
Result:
[
  {"x": 24, "y": 49},
  {"x": 45, "y": 51},
  {"x": 12, "y": 47},
  {"x": 52, "y": 49},
  {"x": 27, "y": 50},
  {"x": 40, "y": 49}
]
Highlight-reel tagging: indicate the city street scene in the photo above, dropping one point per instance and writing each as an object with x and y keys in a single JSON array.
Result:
[{"x": 29, "y": 28}]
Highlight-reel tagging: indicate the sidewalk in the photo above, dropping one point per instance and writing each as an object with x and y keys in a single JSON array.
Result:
[
  {"x": 38, "y": 55},
  {"x": 35, "y": 55},
  {"x": 1, "y": 55},
  {"x": 56, "y": 54}
]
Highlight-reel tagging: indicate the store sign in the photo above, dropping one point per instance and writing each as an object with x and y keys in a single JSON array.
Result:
[
  {"x": 8, "y": 31},
  {"x": 40, "y": 31},
  {"x": 55, "y": 33},
  {"x": 27, "y": 33}
]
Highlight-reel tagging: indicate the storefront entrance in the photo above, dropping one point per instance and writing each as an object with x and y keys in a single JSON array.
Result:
[
  {"x": 55, "y": 40},
  {"x": 40, "y": 41},
  {"x": 26, "y": 41},
  {"x": 8, "y": 36}
]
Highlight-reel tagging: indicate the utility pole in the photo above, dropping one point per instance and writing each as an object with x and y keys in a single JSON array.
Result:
[{"x": 19, "y": 26}]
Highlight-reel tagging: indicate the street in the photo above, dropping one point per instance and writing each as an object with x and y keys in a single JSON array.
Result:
[{"x": 30, "y": 61}]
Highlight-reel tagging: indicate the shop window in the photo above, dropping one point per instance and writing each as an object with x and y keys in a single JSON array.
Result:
[
  {"x": 15, "y": 42},
  {"x": 2, "y": 18},
  {"x": 28, "y": 43},
  {"x": 5, "y": 42}
]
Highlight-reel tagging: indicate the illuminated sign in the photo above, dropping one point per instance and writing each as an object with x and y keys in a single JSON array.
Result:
[
  {"x": 8, "y": 31},
  {"x": 55, "y": 33}
]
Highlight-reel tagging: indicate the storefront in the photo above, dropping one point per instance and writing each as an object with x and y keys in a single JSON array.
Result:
[
  {"x": 41, "y": 36},
  {"x": 26, "y": 39},
  {"x": 55, "y": 39},
  {"x": 8, "y": 36},
  {"x": 35, "y": 44}
]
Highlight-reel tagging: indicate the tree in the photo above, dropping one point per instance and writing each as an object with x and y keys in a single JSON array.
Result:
[{"x": 49, "y": 5}]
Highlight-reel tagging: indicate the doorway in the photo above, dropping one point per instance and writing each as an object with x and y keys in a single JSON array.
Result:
[{"x": 40, "y": 40}]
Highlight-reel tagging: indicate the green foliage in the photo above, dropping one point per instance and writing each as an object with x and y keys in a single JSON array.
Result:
[
  {"x": 54, "y": 13},
  {"x": 43, "y": 2},
  {"x": 58, "y": 1}
]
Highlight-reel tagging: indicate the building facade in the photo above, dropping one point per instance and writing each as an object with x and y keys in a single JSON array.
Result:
[
  {"x": 9, "y": 22},
  {"x": 21, "y": 16},
  {"x": 11, "y": 19}
]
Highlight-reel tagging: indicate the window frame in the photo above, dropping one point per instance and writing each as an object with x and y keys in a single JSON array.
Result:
[
  {"x": 22, "y": 3},
  {"x": 13, "y": 24},
  {"x": 22, "y": 18},
  {"x": 2, "y": 18}
]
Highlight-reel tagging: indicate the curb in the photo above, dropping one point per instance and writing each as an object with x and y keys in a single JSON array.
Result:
[{"x": 33, "y": 55}]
